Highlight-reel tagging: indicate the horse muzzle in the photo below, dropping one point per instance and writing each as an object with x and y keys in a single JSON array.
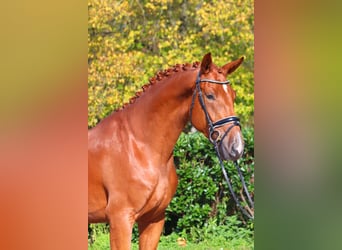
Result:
[{"x": 232, "y": 146}]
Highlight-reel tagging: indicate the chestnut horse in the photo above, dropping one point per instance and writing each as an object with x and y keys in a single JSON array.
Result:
[{"x": 131, "y": 172}]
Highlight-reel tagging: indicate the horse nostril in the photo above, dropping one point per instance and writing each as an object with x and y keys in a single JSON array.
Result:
[
  {"x": 234, "y": 152},
  {"x": 237, "y": 149}
]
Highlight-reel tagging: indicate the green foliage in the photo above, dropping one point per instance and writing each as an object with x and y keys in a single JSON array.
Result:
[
  {"x": 213, "y": 237},
  {"x": 202, "y": 192},
  {"x": 98, "y": 236},
  {"x": 231, "y": 233},
  {"x": 129, "y": 41}
]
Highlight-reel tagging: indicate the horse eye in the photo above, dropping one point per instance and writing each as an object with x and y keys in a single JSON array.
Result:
[{"x": 210, "y": 96}]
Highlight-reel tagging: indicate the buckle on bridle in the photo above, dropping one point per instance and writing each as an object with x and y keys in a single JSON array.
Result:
[{"x": 215, "y": 136}]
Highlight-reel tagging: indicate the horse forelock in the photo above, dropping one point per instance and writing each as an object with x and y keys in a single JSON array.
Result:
[{"x": 159, "y": 77}]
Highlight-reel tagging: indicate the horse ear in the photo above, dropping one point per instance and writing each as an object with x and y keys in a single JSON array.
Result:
[
  {"x": 206, "y": 63},
  {"x": 232, "y": 66}
]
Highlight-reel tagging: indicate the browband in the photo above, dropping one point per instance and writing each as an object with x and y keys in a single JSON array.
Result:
[{"x": 214, "y": 81}]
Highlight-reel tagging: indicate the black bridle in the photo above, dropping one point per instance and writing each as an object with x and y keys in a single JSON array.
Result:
[{"x": 234, "y": 121}]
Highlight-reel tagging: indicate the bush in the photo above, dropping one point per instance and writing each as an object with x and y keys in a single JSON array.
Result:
[{"x": 202, "y": 192}]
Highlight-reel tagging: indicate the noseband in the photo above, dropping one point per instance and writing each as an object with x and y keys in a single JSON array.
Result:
[
  {"x": 247, "y": 210},
  {"x": 234, "y": 120}
]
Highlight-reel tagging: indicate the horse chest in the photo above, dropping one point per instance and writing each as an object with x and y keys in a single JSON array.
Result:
[
  {"x": 158, "y": 197},
  {"x": 160, "y": 193}
]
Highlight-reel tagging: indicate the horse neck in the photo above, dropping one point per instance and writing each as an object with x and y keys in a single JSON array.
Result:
[{"x": 158, "y": 117}]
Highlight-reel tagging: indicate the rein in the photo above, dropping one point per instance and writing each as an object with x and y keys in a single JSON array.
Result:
[{"x": 235, "y": 121}]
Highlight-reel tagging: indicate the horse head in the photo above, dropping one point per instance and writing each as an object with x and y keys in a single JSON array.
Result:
[{"x": 212, "y": 109}]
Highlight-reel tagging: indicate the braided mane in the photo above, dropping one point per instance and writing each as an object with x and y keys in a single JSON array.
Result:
[{"x": 159, "y": 77}]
